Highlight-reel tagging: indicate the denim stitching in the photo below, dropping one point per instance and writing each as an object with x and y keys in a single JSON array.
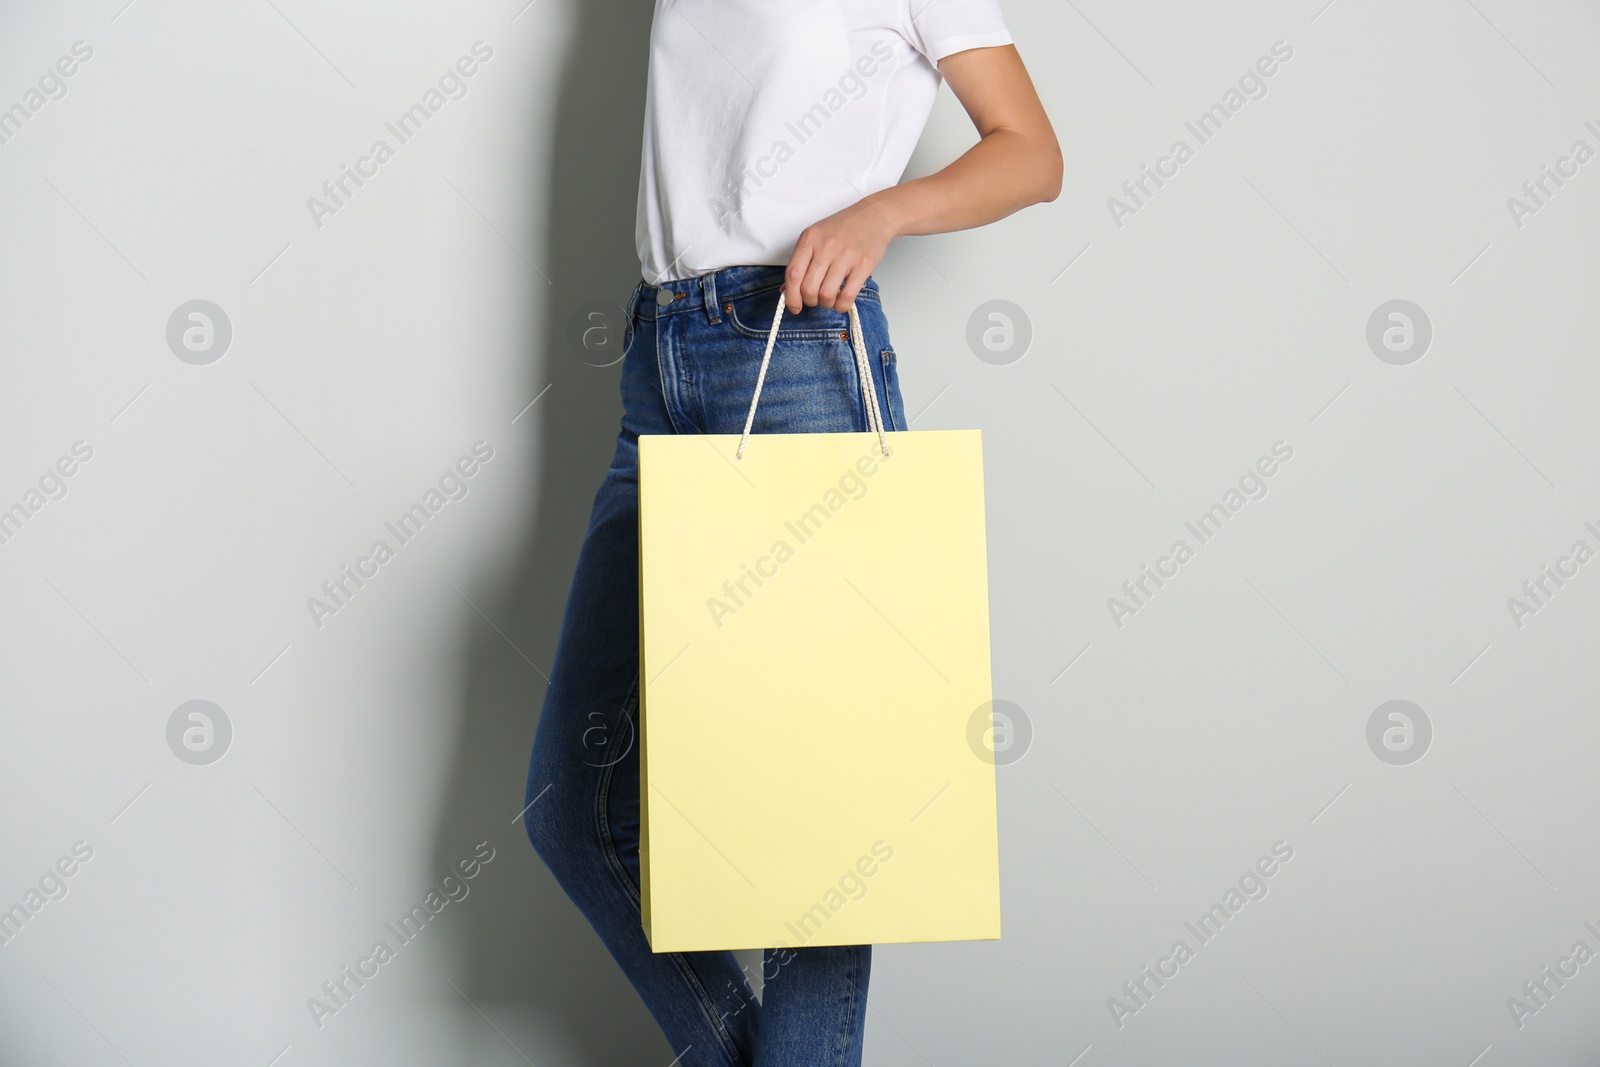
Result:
[
  {"x": 866, "y": 294},
  {"x": 663, "y": 345},
  {"x": 806, "y": 334},
  {"x": 842, "y": 1046},
  {"x": 885, "y": 361}
]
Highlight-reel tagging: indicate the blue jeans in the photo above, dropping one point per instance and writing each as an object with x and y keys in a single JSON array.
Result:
[{"x": 689, "y": 366}]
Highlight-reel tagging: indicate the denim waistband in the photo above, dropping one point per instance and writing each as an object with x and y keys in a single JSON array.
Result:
[{"x": 706, "y": 291}]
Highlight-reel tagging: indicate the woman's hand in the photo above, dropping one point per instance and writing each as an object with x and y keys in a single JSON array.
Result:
[
  {"x": 834, "y": 257},
  {"x": 1016, "y": 162}
]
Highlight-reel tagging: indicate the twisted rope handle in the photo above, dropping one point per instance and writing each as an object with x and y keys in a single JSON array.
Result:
[{"x": 863, "y": 372}]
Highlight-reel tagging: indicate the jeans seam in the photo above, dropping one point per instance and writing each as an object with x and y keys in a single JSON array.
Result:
[
  {"x": 865, "y": 294},
  {"x": 608, "y": 847},
  {"x": 843, "y": 1046},
  {"x": 664, "y": 379},
  {"x": 807, "y": 334},
  {"x": 633, "y": 304},
  {"x": 885, "y": 360}
]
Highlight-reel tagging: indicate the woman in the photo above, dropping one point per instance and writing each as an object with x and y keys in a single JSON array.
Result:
[{"x": 775, "y": 133}]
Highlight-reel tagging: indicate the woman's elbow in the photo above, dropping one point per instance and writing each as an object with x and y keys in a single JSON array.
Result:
[{"x": 1050, "y": 172}]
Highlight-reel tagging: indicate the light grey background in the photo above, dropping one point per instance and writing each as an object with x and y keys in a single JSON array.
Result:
[{"x": 1168, "y": 354}]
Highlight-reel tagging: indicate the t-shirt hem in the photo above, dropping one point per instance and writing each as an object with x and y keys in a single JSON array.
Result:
[{"x": 973, "y": 40}]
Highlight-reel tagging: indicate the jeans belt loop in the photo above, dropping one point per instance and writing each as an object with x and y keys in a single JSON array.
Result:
[{"x": 708, "y": 292}]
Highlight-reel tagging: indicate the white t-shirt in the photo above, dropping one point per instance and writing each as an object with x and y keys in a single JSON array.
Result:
[{"x": 765, "y": 116}]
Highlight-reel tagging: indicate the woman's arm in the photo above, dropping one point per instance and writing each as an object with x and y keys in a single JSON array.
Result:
[{"x": 1016, "y": 163}]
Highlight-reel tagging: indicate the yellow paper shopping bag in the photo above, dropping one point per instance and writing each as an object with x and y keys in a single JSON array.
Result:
[{"x": 815, "y": 688}]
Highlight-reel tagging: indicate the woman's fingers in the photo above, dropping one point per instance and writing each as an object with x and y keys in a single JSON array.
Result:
[
  {"x": 816, "y": 274},
  {"x": 793, "y": 278},
  {"x": 853, "y": 284},
  {"x": 833, "y": 259},
  {"x": 831, "y": 293}
]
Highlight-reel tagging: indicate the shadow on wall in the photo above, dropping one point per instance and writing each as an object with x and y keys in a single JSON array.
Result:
[{"x": 522, "y": 943}]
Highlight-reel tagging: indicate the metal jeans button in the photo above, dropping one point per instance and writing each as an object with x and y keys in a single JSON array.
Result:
[{"x": 664, "y": 297}]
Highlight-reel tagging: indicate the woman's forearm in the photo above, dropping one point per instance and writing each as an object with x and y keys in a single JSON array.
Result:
[
  {"x": 1016, "y": 162},
  {"x": 1003, "y": 173}
]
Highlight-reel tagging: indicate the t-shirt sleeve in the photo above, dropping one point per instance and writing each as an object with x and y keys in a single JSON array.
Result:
[{"x": 938, "y": 28}]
